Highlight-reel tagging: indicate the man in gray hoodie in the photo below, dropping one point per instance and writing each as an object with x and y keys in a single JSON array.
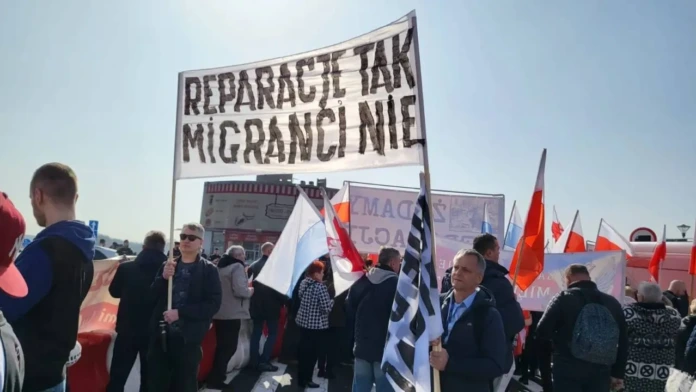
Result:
[
  {"x": 233, "y": 309},
  {"x": 369, "y": 303}
]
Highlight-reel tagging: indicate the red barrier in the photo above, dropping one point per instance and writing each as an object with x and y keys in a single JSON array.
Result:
[{"x": 90, "y": 373}]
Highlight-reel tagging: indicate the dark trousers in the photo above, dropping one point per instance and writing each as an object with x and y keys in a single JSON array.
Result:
[
  {"x": 528, "y": 363},
  {"x": 255, "y": 341},
  {"x": 227, "y": 336},
  {"x": 571, "y": 375},
  {"x": 311, "y": 343},
  {"x": 331, "y": 353},
  {"x": 126, "y": 349},
  {"x": 175, "y": 370}
]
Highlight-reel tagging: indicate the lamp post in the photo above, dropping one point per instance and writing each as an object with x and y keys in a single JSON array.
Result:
[{"x": 683, "y": 229}]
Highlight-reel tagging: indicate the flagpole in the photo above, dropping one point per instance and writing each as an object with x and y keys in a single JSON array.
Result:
[
  {"x": 599, "y": 230},
  {"x": 514, "y": 203},
  {"x": 350, "y": 224},
  {"x": 426, "y": 167},
  {"x": 170, "y": 281}
]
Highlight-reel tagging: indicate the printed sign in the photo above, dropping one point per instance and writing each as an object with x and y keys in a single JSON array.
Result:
[
  {"x": 382, "y": 217},
  {"x": 353, "y": 105},
  {"x": 94, "y": 225},
  {"x": 252, "y": 206}
]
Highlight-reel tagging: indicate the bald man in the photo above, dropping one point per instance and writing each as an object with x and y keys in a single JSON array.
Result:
[{"x": 678, "y": 296}]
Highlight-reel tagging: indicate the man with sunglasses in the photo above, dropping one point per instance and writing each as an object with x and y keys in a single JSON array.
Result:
[{"x": 175, "y": 350}]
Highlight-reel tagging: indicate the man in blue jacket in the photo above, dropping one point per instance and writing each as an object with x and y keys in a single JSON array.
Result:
[
  {"x": 174, "y": 355},
  {"x": 57, "y": 266},
  {"x": 474, "y": 346}
]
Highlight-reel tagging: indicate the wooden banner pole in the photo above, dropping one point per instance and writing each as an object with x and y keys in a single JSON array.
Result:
[{"x": 172, "y": 211}]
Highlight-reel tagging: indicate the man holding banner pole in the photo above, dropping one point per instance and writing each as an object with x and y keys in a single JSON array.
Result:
[{"x": 174, "y": 357}]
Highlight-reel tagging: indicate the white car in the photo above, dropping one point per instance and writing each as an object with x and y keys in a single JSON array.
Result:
[{"x": 102, "y": 253}]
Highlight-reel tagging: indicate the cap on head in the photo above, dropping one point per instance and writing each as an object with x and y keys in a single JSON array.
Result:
[{"x": 11, "y": 237}]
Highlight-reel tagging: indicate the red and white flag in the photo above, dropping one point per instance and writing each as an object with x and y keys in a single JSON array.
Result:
[
  {"x": 658, "y": 257},
  {"x": 528, "y": 259},
  {"x": 346, "y": 262},
  {"x": 556, "y": 228},
  {"x": 609, "y": 239},
  {"x": 572, "y": 240},
  {"x": 692, "y": 263},
  {"x": 341, "y": 204}
]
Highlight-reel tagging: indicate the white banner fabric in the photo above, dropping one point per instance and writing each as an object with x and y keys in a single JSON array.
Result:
[{"x": 353, "y": 105}]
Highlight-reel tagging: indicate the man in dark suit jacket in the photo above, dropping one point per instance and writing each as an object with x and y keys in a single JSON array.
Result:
[{"x": 132, "y": 285}]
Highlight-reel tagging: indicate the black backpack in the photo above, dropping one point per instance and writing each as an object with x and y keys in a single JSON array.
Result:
[{"x": 595, "y": 334}]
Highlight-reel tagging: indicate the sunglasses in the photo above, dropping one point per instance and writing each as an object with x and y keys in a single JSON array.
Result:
[{"x": 189, "y": 237}]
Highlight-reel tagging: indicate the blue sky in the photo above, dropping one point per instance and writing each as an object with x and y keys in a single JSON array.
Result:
[{"x": 608, "y": 87}]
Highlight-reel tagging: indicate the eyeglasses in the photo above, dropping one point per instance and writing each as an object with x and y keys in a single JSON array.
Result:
[{"x": 189, "y": 237}]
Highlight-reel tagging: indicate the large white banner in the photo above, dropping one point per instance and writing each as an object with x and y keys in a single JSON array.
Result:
[
  {"x": 353, "y": 105},
  {"x": 382, "y": 217}
]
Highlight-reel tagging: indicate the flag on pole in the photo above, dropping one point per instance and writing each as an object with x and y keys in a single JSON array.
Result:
[
  {"x": 486, "y": 224},
  {"x": 302, "y": 241},
  {"x": 405, "y": 362},
  {"x": 528, "y": 260},
  {"x": 556, "y": 228},
  {"x": 692, "y": 263},
  {"x": 571, "y": 240},
  {"x": 514, "y": 229},
  {"x": 341, "y": 204},
  {"x": 658, "y": 257},
  {"x": 609, "y": 239},
  {"x": 346, "y": 262}
]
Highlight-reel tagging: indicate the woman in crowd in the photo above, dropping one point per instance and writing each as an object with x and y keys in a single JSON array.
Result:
[
  {"x": 332, "y": 354},
  {"x": 313, "y": 321},
  {"x": 652, "y": 327},
  {"x": 687, "y": 365}
]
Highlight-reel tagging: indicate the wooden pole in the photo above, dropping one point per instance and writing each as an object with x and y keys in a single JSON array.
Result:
[{"x": 172, "y": 211}]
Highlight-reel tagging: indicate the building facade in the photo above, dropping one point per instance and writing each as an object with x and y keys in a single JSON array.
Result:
[{"x": 250, "y": 213}]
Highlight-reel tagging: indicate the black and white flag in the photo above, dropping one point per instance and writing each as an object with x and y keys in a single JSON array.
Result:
[{"x": 415, "y": 319}]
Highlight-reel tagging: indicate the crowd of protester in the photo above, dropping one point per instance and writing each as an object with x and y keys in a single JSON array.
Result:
[{"x": 585, "y": 340}]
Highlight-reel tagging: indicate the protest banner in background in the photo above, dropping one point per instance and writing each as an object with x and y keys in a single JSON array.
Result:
[
  {"x": 381, "y": 217},
  {"x": 98, "y": 311},
  {"x": 607, "y": 269},
  {"x": 353, "y": 105}
]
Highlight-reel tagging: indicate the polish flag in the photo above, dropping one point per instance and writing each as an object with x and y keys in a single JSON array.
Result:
[
  {"x": 341, "y": 204},
  {"x": 658, "y": 256},
  {"x": 572, "y": 240},
  {"x": 528, "y": 260},
  {"x": 346, "y": 262},
  {"x": 609, "y": 239},
  {"x": 692, "y": 264},
  {"x": 556, "y": 228}
]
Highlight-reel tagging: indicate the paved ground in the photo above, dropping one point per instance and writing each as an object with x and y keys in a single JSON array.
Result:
[{"x": 284, "y": 381}]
